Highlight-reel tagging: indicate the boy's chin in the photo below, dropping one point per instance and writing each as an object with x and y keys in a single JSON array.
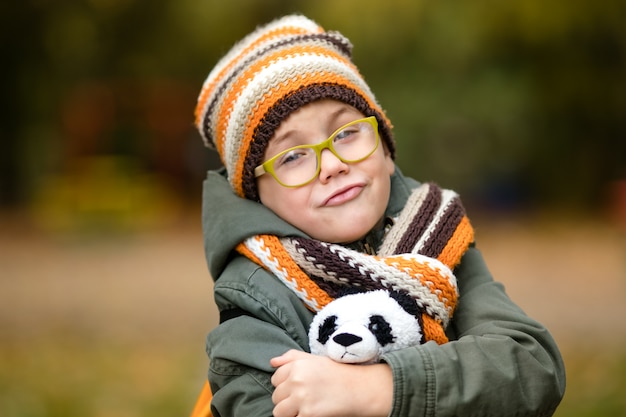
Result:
[{"x": 345, "y": 232}]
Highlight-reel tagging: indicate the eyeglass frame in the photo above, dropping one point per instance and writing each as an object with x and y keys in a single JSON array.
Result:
[{"x": 267, "y": 167}]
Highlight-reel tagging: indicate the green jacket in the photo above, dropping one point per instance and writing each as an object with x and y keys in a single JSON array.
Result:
[{"x": 499, "y": 362}]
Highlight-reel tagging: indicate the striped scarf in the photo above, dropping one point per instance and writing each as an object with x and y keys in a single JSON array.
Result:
[{"x": 417, "y": 256}]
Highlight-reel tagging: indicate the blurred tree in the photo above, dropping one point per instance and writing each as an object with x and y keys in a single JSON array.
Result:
[
  {"x": 574, "y": 54},
  {"x": 511, "y": 102},
  {"x": 20, "y": 28}
]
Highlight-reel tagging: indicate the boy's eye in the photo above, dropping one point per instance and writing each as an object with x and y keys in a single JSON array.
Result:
[
  {"x": 346, "y": 133},
  {"x": 291, "y": 157}
]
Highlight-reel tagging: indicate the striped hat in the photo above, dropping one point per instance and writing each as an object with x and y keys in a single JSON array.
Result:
[{"x": 266, "y": 76}]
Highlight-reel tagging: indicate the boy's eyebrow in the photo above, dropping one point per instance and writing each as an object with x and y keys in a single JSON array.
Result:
[
  {"x": 339, "y": 112},
  {"x": 333, "y": 116},
  {"x": 278, "y": 139}
]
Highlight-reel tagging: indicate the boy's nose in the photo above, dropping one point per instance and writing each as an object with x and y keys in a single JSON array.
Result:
[{"x": 331, "y": 165}]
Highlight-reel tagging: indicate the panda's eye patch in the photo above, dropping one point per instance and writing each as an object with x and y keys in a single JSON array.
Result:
[
  {"x": 381, "y": 329},
  {"x": 327, "y": 329}
]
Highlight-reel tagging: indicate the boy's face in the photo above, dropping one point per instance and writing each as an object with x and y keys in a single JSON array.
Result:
[{"x": 346, "y": 200}]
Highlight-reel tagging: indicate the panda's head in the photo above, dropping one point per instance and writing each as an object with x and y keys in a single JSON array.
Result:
[{"x": 360, "y": 327}]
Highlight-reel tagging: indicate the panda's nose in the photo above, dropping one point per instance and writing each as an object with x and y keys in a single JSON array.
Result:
[{"x": 347, "y": 339}]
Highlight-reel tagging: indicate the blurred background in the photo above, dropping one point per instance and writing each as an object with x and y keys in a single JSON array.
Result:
[{"x": 105, "y": 297}]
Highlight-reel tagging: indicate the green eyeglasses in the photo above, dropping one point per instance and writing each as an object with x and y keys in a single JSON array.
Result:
[{"x": 299, "y": 165}]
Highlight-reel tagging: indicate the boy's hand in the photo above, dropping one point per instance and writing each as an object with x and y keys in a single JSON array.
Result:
[{"x": 310, "y": 385}]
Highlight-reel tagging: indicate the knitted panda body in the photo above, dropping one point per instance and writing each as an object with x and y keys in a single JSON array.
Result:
[{"x": 359, "y": 328}]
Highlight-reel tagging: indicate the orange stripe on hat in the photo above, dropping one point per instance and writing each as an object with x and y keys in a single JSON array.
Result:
[{"x": 218, "y": 78}]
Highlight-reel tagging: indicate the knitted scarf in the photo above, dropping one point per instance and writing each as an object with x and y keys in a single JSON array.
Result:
[{"x": 417, "y": 256}]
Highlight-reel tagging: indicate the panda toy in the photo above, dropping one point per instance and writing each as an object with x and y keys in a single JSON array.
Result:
[{"x": 359, "y": 328}]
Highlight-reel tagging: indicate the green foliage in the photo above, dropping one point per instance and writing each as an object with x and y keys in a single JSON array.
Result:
[{"x": 519, "y": 99}]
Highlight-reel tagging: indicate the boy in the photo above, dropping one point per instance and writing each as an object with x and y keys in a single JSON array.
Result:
[{"x": 310, "y": 202}]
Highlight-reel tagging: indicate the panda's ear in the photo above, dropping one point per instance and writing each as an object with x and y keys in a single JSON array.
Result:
[
  {"x": 407, "y": 302},
  {"x": 350, "y": 290}
]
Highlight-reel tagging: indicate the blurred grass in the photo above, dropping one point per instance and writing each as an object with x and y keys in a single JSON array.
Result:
[
  {"x": 596, "y": 383},
  {"x": 72, "y": 376},
  {"x": 68, "y": 376}
]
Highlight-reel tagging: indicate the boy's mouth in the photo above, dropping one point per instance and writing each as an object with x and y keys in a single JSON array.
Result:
[{"x": 343, "y": 195}]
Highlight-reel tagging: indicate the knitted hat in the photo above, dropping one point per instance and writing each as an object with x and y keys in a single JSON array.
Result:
[{"x": 266, "y": 76}]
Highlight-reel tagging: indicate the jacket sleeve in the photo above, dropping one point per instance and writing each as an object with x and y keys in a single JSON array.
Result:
[
  {"x": 265, "y": 319},
  {"x": 499, "y": 361}
]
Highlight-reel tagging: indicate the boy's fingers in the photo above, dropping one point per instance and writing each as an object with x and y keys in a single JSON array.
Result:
[
  {"x": 277, "y": 379},
  {"x": 289, "y": 356}
]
